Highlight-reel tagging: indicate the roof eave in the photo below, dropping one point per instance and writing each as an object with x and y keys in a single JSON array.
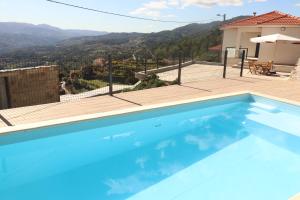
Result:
[{"x": 259, "y": 26}]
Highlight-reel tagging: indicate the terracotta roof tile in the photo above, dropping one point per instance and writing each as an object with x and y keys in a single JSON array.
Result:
[
  {"x": 215, "y": 48},
  {"x": 272, "y": 18}
]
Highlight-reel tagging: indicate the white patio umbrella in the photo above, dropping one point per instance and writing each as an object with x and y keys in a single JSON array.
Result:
[{"x": 275, "y": 38}]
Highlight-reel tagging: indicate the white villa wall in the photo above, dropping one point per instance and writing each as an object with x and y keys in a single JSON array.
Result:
[
  {"x": 230, "y": 36},
  {"x": 236, "y": 37},
  {"x": 281, "y": 53},
  {"x": 229, "y": 40},
  {"x": 240, "y": 38},
  {"x": 245, "y": 42}
]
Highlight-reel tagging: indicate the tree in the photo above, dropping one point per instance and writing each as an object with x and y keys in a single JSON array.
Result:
[{"x": 88, "y": 72}]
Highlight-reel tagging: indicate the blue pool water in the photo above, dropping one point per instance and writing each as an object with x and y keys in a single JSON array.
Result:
[{"x": 243, "y": 147}]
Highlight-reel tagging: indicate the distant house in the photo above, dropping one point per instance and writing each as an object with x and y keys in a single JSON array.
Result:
[
  {"x": 238, "y": 33},
  {"x": 216, "y": 48},
  {"x": 29, "y": 86},
  {"x": 99, "y": 62}
]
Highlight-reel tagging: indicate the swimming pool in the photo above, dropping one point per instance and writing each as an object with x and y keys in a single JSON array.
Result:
[{"x": 240, "y": 147}]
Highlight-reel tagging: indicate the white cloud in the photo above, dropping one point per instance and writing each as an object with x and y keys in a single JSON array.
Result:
[
  {"x": 151, "y": 9},
  {"x": 169, "y": 16},
  {"x": 173, "y": 2},
  {"x": 146, "y": 12},
  {"x": 297, "y": 4},
  {"x": 252, "y": 1},
  {"x": 209, "y": 3},
  {"x": 154, "y": 7}
]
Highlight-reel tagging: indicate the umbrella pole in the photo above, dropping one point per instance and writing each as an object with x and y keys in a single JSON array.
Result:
[{"x": 274, "y": 54}]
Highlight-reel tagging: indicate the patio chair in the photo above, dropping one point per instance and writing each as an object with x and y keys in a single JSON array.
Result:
[
  {"x": 267, "y": 68},
  {"x": 252, "y": 67}
]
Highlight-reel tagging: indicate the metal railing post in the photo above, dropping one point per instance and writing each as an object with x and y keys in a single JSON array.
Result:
[
  {"x": 225, "y": 63},
  {"x": 137, "y": 62},
  {"x": 243, "y": 62},
  {"x": 110, "y": 75},
  {"x": 145, "y": 67},
  {"x": 179, "y": 69}
]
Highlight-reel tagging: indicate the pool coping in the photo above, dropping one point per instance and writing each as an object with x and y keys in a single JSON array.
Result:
[{"x": 61, "y": 121}]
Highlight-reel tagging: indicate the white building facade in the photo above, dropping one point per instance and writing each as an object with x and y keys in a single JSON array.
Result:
[{"x": 237, "y": 35}]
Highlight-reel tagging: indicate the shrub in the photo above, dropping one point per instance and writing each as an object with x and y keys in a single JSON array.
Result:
[{"x": 151, "y": 81}]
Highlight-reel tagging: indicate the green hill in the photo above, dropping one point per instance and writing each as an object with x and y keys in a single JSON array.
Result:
[{"x": 192, "y": 40}]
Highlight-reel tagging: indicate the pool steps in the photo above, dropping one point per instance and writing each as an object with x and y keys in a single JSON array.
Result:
[{"x": 273, "y": 117}]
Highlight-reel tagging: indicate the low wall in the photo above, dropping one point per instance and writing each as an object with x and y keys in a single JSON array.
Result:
[
  {"x": 208, "y": 63},
  {"x": 141, "y": 75},
  {"x": 284, "y": 68},
  {"x": 31, "y": 86}
]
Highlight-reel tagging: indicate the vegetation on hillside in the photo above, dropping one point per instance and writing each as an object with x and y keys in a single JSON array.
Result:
[
  {"x": 195, "y": 46},
  {"x": 151, "y": 81},
  {"x": 78, "y": 57},
  {"x": 75, "y": 86},
  {"x": 166, "y": 44}
]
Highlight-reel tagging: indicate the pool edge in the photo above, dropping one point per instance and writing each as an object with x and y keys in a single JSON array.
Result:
[
  {"x": 61, "y": 121},
  {"x": 283, "y": 100}
]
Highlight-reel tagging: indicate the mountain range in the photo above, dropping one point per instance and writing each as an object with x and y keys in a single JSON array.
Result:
[
  {"x": 57, "y": 44},
  {"x": 15, "y": 36}
]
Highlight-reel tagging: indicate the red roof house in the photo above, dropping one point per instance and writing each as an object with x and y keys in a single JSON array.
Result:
[
  {"x": 216, "y": 48},
  {"x": 237, "y": 35},
  {"x": 272, "y": 18}
]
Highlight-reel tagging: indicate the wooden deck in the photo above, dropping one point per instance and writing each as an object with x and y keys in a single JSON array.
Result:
[{"x": 278, "y": 88}]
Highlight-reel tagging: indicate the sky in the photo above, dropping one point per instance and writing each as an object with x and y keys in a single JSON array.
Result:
[{"x": 202, "y": 11}]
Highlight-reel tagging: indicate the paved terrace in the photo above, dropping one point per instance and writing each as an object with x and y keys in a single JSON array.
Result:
[{"x": 194, "y": 85}]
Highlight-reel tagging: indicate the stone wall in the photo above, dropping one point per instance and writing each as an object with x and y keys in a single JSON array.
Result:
[{"x": 32, "y": 86}]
